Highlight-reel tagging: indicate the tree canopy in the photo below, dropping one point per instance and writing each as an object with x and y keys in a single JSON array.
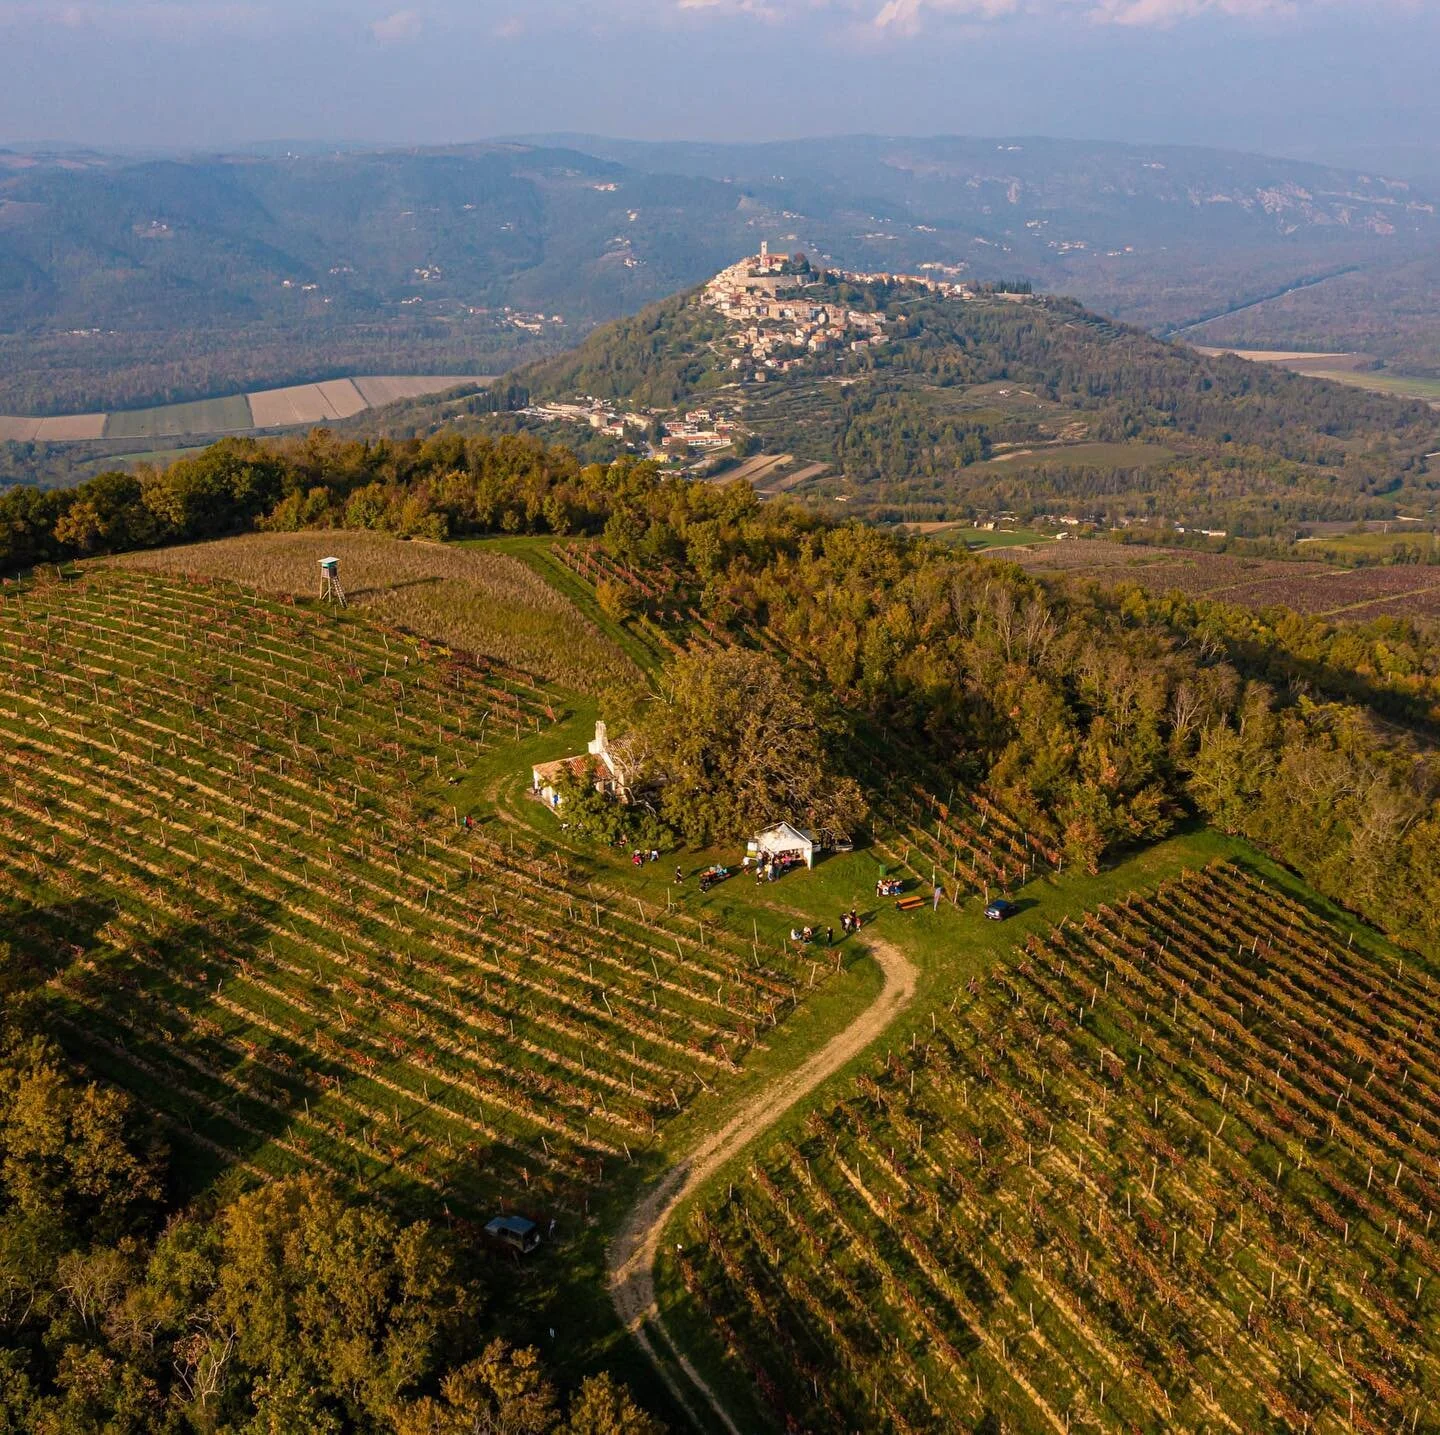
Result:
[{"x": 743, "y": 746}]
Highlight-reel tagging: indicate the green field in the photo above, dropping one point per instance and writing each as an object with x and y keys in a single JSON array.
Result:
[
  {"x": 205, "y": 416},
  {"x": 1370, "y": 545},
  {"x": 979, "y": 539},
  {"x": 1080, "y": 455},
  {"x": 1377, "y": 381}
]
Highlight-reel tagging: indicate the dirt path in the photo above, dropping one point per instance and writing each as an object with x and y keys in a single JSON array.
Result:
[{"x": 631, "y": 1258}]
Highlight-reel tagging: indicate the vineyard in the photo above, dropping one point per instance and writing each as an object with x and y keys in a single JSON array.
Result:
[
  {"x": 663, "y": 602},
  {"x": 228, "y": 831},
  {"x": 965, "y": 844},
  {"x": 1172, "y": 1168}
]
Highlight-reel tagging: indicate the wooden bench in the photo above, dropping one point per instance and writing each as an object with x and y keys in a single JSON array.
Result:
[{"x": 909, "y": 904}]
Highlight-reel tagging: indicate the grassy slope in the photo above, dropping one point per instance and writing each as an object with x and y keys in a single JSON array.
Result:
[
  {"x": 473, "y": 597},
  {"x": 536, "y": 554}
]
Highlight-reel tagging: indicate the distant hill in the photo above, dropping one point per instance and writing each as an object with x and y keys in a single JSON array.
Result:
[
  {"x": 126, "y": 282},
  {"x": 920, "y": 404}
]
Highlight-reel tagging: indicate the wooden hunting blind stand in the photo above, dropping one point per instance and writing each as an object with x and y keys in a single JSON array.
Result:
[{"x": 330, "y": 589}]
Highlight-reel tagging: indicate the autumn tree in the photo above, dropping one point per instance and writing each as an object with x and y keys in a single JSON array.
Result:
[{"x": 742, "y": 746}]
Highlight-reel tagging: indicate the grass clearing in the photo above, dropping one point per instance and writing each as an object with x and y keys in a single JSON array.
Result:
[
  {"x": 1371, "y": 545},
  {"x": 963, "y": 535},
  {"x": 480, "y": 599},
  {"x": 1078, "y": 455},
  {"x": 1378, "y": 381}
]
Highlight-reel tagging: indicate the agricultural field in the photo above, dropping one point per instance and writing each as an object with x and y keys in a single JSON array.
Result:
[
  {"x": 1343, "y": 369},
  {"x": 64, "y": 429},
  {"x": 1169, "y": 1167},
  {"x": 966, "y": 845},
  {"x": 1315, "y": 589},
  {"x": 234, "y": 844},
  {"x": 474, "y": 598},
  {"x": 204, "y": 416},
  {"x": 1379, "y": 381},
  {"x": 1372, "y": 545},
  {"x": 965, "y": 535},
  {"x": 380, "y": 389},
  {"x": 305, "y": 404},
  {"x": 296, "y": 406}
]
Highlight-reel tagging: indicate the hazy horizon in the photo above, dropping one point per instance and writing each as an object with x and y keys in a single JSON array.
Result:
[{"x": 1338, "y": 81}]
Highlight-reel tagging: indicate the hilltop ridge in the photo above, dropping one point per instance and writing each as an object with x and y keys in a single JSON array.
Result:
[{"x": 919, "y": 397}]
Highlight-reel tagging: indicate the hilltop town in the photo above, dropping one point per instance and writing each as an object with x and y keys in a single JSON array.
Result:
[
  {"x": 782, "y": 314},
  {"x": 772, "y": 326}
]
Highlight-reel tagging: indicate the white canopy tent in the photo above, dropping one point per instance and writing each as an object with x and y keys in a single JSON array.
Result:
[{"x": 782, "y": 838}]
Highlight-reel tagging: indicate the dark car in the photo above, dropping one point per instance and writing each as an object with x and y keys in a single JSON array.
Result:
[
  {"x": 999, "y": 909},
  {"x": 514, "y": 1231}
]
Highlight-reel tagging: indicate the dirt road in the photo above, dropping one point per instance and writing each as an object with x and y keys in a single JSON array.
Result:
[{"x": 631, "y": 1258}]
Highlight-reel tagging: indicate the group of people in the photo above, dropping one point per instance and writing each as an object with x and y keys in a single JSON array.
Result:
[
  {"x": 771, "y": 865},
  {"x": 850, "y": 921},
  {"x": 889, "y": 887},
  {"x": 809, "y": 934},
  {"x": 639, "y": 858}
]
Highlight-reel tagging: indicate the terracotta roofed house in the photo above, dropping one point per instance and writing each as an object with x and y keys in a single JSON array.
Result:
[{"x": 598, "y": 762}]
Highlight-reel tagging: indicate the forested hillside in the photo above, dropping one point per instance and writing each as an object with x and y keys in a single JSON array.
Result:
[{"x": 986, "y": 404}]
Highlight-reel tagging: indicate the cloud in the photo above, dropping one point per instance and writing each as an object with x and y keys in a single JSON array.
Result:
[
  {"x": 397, "y": 27},
  {"x": 908, "y": 17},
  {"x": 1170, "y": 12},
  {"x": 905, "y": 16}
]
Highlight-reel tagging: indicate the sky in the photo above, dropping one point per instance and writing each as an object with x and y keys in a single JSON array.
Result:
[{"x": 1350, "y": 81}]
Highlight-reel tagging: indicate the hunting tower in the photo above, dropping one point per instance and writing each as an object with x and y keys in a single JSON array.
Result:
[{"x": 330, "y": 589}]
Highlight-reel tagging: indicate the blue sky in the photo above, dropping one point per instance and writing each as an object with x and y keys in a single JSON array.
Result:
[{"x": 1348, "y": 79}]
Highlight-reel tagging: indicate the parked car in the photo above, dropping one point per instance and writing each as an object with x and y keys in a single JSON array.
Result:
[
  {"x": 1000, "y": 909},
  {"x": 514, "y": 1231}
]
